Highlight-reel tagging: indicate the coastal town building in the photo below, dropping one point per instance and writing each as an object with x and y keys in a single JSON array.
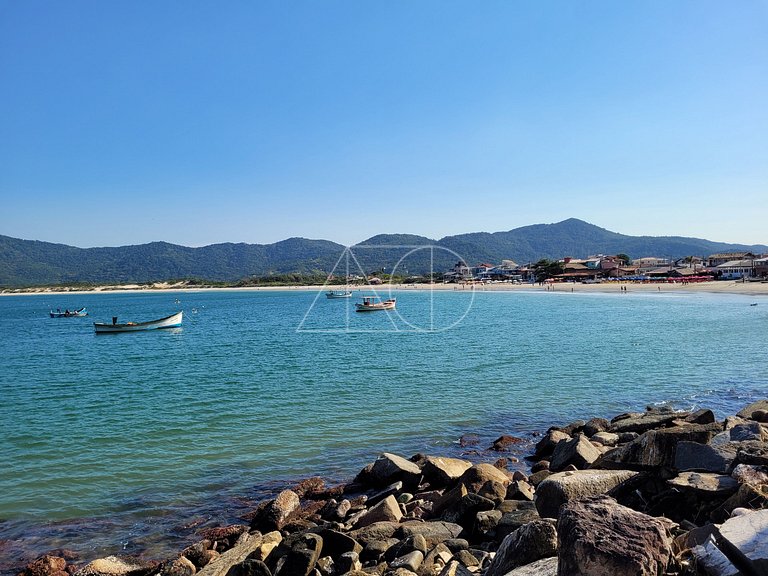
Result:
[
  {"x": 761, "y": 268},
  {"x": 596, "y": 268},
  {"x": 715, "y": 260},
  {"x": 648, "y": 263},
  {"x": 459, "y": 273},
  {"x": 735, "y": 269}
]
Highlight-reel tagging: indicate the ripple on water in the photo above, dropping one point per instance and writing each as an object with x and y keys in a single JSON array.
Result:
[{"x": 140, "y": 439}]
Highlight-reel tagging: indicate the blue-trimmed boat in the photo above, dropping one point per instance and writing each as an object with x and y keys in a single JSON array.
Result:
[{"x": 69, "y": 313}]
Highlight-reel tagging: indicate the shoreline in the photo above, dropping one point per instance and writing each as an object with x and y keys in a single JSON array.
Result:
[
  {"x": 717, "y": 287},
  {"x": 476, "y": 512}
]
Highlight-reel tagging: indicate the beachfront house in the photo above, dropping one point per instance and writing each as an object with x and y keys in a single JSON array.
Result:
[
  {"x": 481, "y": 271},
  {"x": 715, "y": 260},
  {"x": 579, "y": 270},
  {"x": 459, "y": 273},
  {"x": 648, "y": 263},
  {"x": 506, "y": 271},
  {"x": 735, "y": 269},
  {"x": 761, "y": 267}
]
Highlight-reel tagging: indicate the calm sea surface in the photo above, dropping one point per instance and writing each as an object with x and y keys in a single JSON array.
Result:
[{"x": 130, "y": 442}]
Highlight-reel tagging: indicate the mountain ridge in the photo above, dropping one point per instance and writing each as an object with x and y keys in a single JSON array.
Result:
[{"x": 33, "y": 262}]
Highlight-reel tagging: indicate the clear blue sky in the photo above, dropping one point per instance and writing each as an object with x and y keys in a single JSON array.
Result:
[{"x": 205, "y": 122}]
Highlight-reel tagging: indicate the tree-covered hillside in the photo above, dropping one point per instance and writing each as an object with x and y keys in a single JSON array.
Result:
[{"x": 29, "y": 262}]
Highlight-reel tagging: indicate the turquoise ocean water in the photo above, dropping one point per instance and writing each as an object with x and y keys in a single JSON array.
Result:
[{"x": 129, "y": 442}]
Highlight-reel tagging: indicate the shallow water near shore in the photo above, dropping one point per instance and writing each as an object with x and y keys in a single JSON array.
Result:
[{"x": 129, "y": 442}]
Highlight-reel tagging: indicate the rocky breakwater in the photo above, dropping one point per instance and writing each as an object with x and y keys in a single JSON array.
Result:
[{"x": 653, "y": 493}]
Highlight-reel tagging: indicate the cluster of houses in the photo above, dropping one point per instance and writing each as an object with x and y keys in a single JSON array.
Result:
[{"x": 725, "y": 266}]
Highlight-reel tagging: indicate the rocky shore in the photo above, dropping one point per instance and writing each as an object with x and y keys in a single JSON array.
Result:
[{"x": 654, "y": 493}]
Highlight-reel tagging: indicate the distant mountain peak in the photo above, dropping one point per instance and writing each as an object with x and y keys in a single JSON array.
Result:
[
  {"x": 28, "y": 262},
  {"x": 396, "y": 240}
]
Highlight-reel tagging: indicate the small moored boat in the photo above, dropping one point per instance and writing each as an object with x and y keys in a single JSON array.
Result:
[
  {"x": 172, "y": 321},
  {"x": 373, "y": 303},
  {"x": 338, "y": 294},
  {"x": 69, "y": 313}
]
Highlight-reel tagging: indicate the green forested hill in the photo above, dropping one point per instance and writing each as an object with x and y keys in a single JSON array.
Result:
[
  {"x": 24, "y": 262},
  {"x": 28, "y": 262},
  {"x": 579, "y": 239}
]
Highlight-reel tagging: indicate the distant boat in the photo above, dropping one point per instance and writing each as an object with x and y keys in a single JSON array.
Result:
[
  {"x": 172, "y": 321},
  {"x": 373, "y": 303},
  {"x": 69, "y": 313},
  {"x": 338, "y": 294}
]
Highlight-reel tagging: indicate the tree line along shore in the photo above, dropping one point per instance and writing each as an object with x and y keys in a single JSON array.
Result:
[
  {"x": 656, "y": 493},
  {"x": 720, "y": 286}
]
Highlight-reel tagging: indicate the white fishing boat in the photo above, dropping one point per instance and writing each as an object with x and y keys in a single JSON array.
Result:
[
  {"x": 374, "y": 303},
  {"x": 332, "y": 294},
  {"x": 69, "y": 313},
  {"x": 172, "y": 321}
]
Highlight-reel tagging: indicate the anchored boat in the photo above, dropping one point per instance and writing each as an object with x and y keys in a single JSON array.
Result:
[
  {"x": 69, "y": 313},
  {"x": 373, "y": 303},
  {"x": 338, "y": 294},
  {"x": 172, "y": 321}
]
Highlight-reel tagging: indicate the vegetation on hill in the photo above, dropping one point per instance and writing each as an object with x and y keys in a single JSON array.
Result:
[{"x": 28, "y": 262}]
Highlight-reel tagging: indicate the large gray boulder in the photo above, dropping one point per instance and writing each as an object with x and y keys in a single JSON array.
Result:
[
  {"x": 513, "y": 519},
  {"x": 595, "y": 425},
  {"x": 466, "y": 509},
  {"x": 609, "y": 439},
  {"x": 543, "y": 567},
  {"x": 439, "y": 471},
  {"x": 747, "y": 431},
  {"x": 748, "y": 411},
  {"x": 525, "y": 545},
  {"x": 705, "y": 484},
  {"x": 436, "y": 560},
  {"x": 388, "y": 510},
  {"x": 389, "y": 468},
  {"x": 745, "y": 539},
  {"x": 114, "y": 566},
  {"x": 566, "y": 486},
  {"x": 599, "y": 537},
  {"x": 642, "y": 422},
  {"x": 375, "y": 532},
  {"x": 336, "y": 543},
  {"x": 578, "y": 451},
  {"x": 455, "y": 568},
  {"x": 274, "y": 514},
  {"x": 715, "y": 457},
  {"x": 475, "y": 477},
  {"x": 657, "y": 447},
  {"x": 711, "y": 560},
  {"x": 302, "y": 556},
  {"x": 753, "y": 453},
  {"x": 410, "y": 561},
  {"x": 547, "y": 444},
  {"x": 433, "y": 532},
  {"x": 246, "y": 545},
  {"x": 448, "y": 499}
]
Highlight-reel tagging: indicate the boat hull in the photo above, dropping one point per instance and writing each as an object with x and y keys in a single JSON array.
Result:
[
  {"x": 375, "y": 307},
  {"x": 335, "y": 295},
  {"x": 172, "y": 321},
  {"x": 73, "y": 314}
]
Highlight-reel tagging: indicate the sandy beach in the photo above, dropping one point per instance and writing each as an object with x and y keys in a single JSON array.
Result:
[{"x": 724, "y": 287}]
